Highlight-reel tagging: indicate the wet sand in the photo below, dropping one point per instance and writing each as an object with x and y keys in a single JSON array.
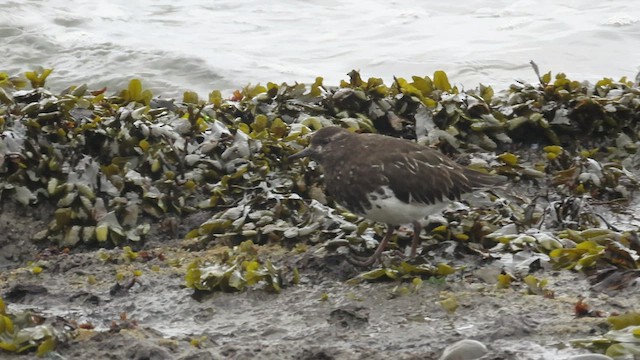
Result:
[{"x": 323, "y": 317}]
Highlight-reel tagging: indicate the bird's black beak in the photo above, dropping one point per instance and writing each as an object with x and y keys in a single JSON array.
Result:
[{"x": 303, "y": 153}]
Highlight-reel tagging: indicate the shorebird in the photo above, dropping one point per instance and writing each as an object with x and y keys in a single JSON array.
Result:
[{"x": 390, "y": 180}]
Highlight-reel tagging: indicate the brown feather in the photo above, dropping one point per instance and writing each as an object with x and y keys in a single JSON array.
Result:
[{"x": 356, "y": 165}]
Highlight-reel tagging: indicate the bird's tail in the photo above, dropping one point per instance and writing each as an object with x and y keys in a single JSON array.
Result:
[{"x": 479, "y": 180}]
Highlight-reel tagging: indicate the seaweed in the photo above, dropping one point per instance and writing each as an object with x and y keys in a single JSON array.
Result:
[
  {"x": 24, "y": 331},
  {"x": 114, "y": 164}
]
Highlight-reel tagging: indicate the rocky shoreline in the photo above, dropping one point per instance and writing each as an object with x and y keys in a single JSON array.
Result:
[{"x": 148, "y": 228}]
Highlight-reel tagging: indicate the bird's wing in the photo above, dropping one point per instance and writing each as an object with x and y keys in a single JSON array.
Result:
[{"x": 426, "y": 176}]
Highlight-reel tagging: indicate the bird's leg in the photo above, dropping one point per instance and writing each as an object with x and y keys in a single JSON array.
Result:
[
  {"x": 376, "y": 255},
  {"x": 417, "y": 228}
]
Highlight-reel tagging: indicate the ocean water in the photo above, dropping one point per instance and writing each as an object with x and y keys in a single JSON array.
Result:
[{"x": 202, "y": 45}]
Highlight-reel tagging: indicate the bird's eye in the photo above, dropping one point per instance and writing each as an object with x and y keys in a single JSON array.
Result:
[{"x": 322, "y": 142}]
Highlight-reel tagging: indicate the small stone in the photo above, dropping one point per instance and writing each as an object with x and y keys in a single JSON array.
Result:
[
  {"x": 590, "y": 357},
  {"x": 464, "y": 350}
]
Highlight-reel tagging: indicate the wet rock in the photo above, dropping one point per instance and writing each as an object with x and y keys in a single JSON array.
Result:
[
  {"x": 590, "y": 357},
  {"x": 22, "y": 292},
  {"x": 85, "y": 298},
  {"x": 614, "y": 279},
  {"x": 202, "y": 355},
  {"x": 8, "y": 252},
  {"x": 333, "y": 265},
  {"x": 147, "y": 352},
  {"x": 509, "y": 325},
  {"x": 122, "y": 290},
  {"x": 318, "y": 354},
  {"x": 464, "y": 350},
  {"x": 349, "y": 317}
]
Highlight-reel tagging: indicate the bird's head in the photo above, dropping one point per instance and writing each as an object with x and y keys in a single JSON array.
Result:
[{"x": 321, "y": 143}]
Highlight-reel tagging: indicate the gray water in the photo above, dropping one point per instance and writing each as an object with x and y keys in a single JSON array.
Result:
[{"x": 203, "y": 45}]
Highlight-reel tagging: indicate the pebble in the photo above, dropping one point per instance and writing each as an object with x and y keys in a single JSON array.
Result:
[
  {"x": 464, "y": 350},
  {"x": 590, "y": 357}
]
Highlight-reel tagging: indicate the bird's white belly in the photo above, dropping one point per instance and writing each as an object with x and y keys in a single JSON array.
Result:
[
  {"x": 387, "y": 208},
  {"x": 393, "y": 211}
]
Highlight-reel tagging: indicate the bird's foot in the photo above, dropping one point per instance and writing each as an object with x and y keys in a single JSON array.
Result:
[{"x": 366, "y": 262}]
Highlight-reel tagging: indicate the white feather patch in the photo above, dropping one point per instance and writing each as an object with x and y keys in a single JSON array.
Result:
[{"x": 387, "y": 208}]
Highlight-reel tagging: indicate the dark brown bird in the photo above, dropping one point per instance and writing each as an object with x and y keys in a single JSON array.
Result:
[{"x": 390, "y": 180}]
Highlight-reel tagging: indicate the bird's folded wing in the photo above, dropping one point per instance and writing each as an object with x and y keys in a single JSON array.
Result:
[{"x": 425, "y": 176}]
